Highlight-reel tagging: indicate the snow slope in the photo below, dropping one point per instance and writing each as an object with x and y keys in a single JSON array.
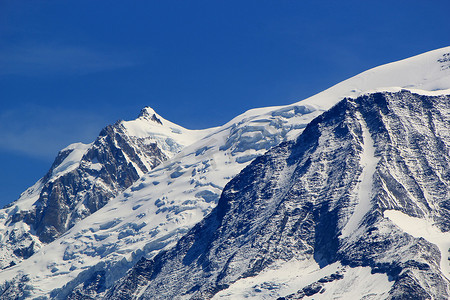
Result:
[
  {"x": 284, "y": 278},
  {"x": 424, "y": 228},
  {"x": 161, "y": 206}
]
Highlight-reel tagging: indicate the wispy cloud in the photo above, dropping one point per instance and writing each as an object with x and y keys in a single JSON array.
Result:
[
  {"x": 41, "y": 132},
  {"x": 43, "y": 59}
]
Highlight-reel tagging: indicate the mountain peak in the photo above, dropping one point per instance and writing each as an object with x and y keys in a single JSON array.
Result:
[
  {"x": 150, "y": 114},
  {"x": 147, "y": 111}
]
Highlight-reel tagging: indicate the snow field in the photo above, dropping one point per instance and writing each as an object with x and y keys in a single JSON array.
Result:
[
  {"x": 424, "y": 228},
  {"x": 285, "y": 278}
]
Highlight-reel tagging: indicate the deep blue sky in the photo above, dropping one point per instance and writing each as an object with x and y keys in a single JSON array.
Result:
[{"x": 69, "y": 68}]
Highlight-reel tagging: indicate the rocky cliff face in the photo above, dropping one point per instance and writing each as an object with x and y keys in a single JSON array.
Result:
[
  {"x": 336, "y": 200},
  {"x": 110, "y": 165}
]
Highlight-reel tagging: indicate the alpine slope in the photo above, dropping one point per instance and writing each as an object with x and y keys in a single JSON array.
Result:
[{"x": 117, "y": 218}]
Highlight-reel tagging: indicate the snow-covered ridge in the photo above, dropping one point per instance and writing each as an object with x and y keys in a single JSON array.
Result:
[
  {"x": 161, "y": 206},
  {"x": 150, "y": 127},
  {"x": 429, "y": 71}
]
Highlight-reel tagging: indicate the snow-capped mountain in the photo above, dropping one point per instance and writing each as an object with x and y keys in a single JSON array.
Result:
[
  {"x": 161, "y": 207},
  {"x": 84, "y": 177},
  {"x": 337, "y": 202}
]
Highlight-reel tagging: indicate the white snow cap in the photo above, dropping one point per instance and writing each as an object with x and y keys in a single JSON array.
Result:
[
  {"x": 429, "y": 71},
  {"x": 170, "y": 137}
]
